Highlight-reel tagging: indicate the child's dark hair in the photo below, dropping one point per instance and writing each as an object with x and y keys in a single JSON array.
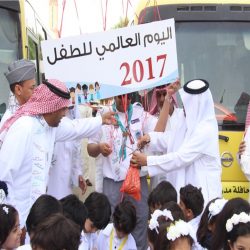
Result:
[
  {"x": 74, "y": 209},
  {"x": 56, "y": 232},
  {"x": 241, "y": 229},
  {"x": 192, "y": 198},
  {"x": 203, "y": 233},
  {"x": 43, "y": 207},
  {"x": 161, "y": 194},
  {"x": 159, "y": 240},
  {"x": 175, "y": 209},
  {"x": 8, "y": 218},
  {"x": 99, "y": 209},
  {"x": 233, "y": 206},
  {"x": 124, "y": 217}
]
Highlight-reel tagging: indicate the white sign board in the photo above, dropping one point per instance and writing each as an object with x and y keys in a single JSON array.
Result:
[{"x": 106, "y": 64}]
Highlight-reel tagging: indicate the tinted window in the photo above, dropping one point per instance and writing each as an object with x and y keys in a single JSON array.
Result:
[{"x": 10, "y": 50}]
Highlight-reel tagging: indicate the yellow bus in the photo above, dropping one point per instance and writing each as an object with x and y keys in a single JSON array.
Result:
[
  {"x": 21, "y": 32},
  {"x": 213, "y": 43}
]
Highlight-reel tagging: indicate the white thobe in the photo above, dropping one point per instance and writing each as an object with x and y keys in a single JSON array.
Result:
[
  {"x": 198, "y": 154},
  {"x": 65, "y": 169},
  {"x": 26, "y": 153},
  {"x": 170, "y": 142},
  {"x": 103, "y": 240},
  {"x": 245, "y": 157}
]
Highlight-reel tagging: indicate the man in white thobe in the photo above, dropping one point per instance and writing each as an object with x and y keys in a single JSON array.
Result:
[
  {"x": 198, "y": 154},
  {"x": 66, "y": 170},
  {"x": 27, "y": 142},
  {"x": 21, "y": 77},
  {"x": 160, "y": 99}
]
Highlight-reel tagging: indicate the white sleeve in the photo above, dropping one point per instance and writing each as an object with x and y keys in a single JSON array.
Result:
[
  {"x": 245, "y": 157},
  {"x": 98, "y": 174},
  {"x": 184, "y": 157},
  {"x": 77, "y": 167},
  {"x": 158, "y": 141},
  {"x": 78, "y": 128}
]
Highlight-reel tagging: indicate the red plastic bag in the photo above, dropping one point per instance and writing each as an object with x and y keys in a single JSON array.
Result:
[{"x": 132, "y": 184}]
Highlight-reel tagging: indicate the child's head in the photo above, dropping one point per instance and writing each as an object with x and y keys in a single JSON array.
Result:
[
  {"x": 99, "y": 212},
  {"x": 164, "y": 233},
  {"x": 191, "y": 201},
  {"x": 160, "y": 195},
  {"x": 233, "y": 206},
  {"x": 10, "y": 232},
  {"x": 74, "y": 209},
  {"x": 56, "y": 232},
  {"x": 124, "y": 218},
  {"x": 207, "y": 223},
  {"x": 238, "y": 231},
  {"x": 157, "y": 228},
  {"x": 175, "y": 209},
  {"x": 43, "y": 207}
]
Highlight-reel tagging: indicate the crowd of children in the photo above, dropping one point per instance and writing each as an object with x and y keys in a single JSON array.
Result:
[{"x": 70, "y": 224}]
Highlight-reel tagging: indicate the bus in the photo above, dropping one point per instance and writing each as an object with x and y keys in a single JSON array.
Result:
[
  {"x": 213, "y": 43},
  {"x": 21, "y": 32}
]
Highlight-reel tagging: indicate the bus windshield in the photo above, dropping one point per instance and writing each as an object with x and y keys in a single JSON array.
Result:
[
  {"x": 220, "y": 53},
  {"x": 10, "y": 50}
]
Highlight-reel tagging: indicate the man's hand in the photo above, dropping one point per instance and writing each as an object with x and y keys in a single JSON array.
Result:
[
  {"x": 242, "y": 148},
  {"x": 82, "y": 184},
  {"x": 143, "y": 141},
  {"x": 108, "y": 118},
  {"x": 173, "y": 87},
  {"x": 105, "y": 149},
  {"x": 139, "y": 158}
]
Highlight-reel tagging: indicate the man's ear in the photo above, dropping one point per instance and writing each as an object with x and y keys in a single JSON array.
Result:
[{"x": 18, "y": 89}]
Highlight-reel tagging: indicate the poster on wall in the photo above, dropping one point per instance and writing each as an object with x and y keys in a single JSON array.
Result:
[{"x": 106, "y": 64}]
